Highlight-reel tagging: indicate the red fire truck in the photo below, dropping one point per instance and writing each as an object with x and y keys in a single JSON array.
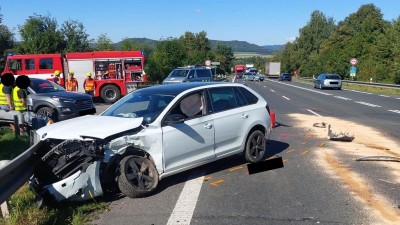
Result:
[
  {"x": 116, "y": 73},
  {"x": 239, "y": 71}
]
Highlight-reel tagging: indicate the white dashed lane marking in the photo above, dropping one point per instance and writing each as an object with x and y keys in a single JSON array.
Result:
[
  {"x": 314, "y": 112},
  {"x": 368, "y": 104},
  {"x": 285, "y": 97},
  {"x": 385, "y": 96},
  {"x": 395, "y": 111},
  {"x": 344, "y": 98},
  {"x": 272, "y": 90}
]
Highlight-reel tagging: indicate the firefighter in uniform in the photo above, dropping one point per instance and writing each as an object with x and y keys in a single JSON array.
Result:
[
  {"x": 72, "y": 82},
  {"x": 7, "y": 81},
  {"x": 56, "y": 78},
  {"x": 89, "y": 84}
]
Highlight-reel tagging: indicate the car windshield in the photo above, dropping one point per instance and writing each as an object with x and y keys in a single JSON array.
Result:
[
  {"x": 45, "y": 86},
  {"x": 178, "y": 73},
  {"x": 333, "y": 77},
  {"x": 138, "y": 104}
]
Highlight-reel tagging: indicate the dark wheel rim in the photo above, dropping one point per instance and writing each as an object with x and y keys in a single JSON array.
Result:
[
  {"x": 46, "y": 113},
  {"x": 110, "y": 94},
  {"x": 139, "y": 174},
  {"x": 257, "y": 146}
]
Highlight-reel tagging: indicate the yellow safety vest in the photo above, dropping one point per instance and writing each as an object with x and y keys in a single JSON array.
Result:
[
  {"x": 18, "y": 104},
  {"x": 3, "y": 99}
]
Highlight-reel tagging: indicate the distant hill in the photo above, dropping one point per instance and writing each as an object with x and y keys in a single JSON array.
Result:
[{"x": 237, "y": 46}]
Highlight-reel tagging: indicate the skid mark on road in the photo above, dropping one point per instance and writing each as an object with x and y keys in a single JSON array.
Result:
[{"x": 360, "y": 188}]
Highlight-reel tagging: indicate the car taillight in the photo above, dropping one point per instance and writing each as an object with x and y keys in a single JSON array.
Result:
[{"x": 271, "y": 115}]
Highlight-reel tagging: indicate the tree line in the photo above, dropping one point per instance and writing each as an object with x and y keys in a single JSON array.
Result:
[
  {"x": 42, "y": 35},
  {"x": 324, "y": 46}
]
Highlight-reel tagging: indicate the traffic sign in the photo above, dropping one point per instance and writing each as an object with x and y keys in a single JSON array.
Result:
[
  {"x": 208, "y": 62},
  {"x": 353, "y": 61}
]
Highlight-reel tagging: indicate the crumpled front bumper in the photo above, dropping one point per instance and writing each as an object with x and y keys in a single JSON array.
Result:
[{"x": 80, "y": 186}]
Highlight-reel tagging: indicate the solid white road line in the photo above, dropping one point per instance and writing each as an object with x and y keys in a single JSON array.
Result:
[
  {"x": 285, "y": 97},
  {"x": 368, "y": 104},
  {"x": 395, "y": 111},
  {"x": 344, "y": 98},
  {"x": 184, "y": 208},
  {"x": 313, "y": 112}
]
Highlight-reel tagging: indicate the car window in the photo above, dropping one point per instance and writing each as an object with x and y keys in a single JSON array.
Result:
[
  {"x": 46, "y": 63},
  {"x": 191, "y": 73},
  {"x": 333, "y": 77},
  {"x": 137, "y": 104},
  {"x": 250, "y": 97},
  {"x": 178, "y": 73},
  {"x": 45, "y": 86},
  {"x": 29, "y": 64},
  {"x": 321, "y": 76},
  {"x": 241, "y": 101},
  {"x": 222, "y": 99},
  {"x": 203, "y": 73},
  {"x": 190, "y": 106}
]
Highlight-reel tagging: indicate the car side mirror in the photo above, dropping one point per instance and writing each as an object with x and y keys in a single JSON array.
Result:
[{"x": 173, "y": 119}]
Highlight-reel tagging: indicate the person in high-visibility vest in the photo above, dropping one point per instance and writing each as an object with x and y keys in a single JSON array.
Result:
[
  {"x": 20, "y": 93},
  {"x": 89, "y": 85},
  {"x": 6, "y": 89},
  {"x": 72, "y": 82}
]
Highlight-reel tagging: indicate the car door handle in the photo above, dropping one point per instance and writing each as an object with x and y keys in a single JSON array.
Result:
[
  {"x": 208, "y": 126},
  {"x": 245, "y": 115}
]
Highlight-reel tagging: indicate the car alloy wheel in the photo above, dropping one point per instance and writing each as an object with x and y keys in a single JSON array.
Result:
[{"x": 255, "y": 147}]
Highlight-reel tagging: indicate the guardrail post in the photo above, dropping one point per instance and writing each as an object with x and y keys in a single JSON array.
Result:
[
  {"x": 4, "y": 210},
  {"x": 16, "y": 126}
]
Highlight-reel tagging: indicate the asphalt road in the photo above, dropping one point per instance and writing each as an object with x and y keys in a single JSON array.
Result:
[{"x": 298, "y": 193}]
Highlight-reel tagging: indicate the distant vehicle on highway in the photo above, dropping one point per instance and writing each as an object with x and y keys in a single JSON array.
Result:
[
  {"x": 328, "y": 81},
  {"x": 189, "y": 74},
  {"x": 250, "y": 76},
  {"x": 285, "y": 76},
  {"x": 51, "y": 100},
  {"x": 262, "y": 77},
  {"x": 150, "y": 134}
]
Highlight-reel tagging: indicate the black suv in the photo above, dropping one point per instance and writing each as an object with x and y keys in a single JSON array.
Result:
[
  {"x": 285, "y": 76},
  {"x": 49, "y": 99},
  {"x": 189, "y": 74}
]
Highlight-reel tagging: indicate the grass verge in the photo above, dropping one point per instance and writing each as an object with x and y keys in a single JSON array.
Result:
[{"x": 22, "y": 206}]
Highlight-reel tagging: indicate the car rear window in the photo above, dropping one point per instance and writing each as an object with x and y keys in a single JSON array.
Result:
[
  {"x": 250, "y": 97},
  {"x": 333, "y": 77}
]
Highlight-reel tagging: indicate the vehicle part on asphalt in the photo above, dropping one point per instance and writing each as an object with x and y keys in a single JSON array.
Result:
[
  {"x": 138, "y": 176},
  {"x": 255, "y": 147},
  {"x": 379, "y": 158},
  {"x": 320, "y": 125},
  {"x": 346, "y": 137}
]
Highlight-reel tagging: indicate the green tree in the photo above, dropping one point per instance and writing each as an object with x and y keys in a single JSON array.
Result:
[
  {"x": 6, "y": 41},
  {"x": 224, "y": 55},
  {"x": 168, "y": 54},
  {"x": 75, "y": 36},
  {"x": 128, "y": 44},
  {"x": 104, "y": 43},
  {"x": 39, "y": 34},
  {"x": 197, "y": 46}
]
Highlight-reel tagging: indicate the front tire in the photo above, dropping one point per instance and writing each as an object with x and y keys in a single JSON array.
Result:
[
  {"x": 110, "y": 93},
  {"x": 48, "y": 112},
  {"x": 138, "y": 176},
  {"x": 255, "y": 147}
]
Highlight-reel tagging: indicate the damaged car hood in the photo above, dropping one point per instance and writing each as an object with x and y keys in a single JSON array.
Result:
[{"x": 90, "y": 125}]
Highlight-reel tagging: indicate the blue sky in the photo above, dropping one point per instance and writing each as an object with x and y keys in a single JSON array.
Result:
[{"x": 261, "y": 22}]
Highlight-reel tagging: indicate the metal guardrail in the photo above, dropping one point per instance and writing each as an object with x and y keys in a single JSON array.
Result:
[
  {"x": 396, "y": 86},
  {"x": 14, "y": 174}
]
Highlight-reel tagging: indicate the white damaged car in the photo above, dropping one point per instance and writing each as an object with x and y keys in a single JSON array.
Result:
[{"x": 147, "y": 135}]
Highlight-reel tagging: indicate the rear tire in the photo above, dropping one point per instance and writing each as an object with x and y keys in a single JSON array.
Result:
[
  {"x": 138, "y": 176},
  {"x": 255, "y": 147},
  {"x": 110, "y": 93}
]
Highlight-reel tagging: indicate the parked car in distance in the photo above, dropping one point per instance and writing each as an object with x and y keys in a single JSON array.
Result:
[
  {"x": 51, "y": 100},
  {"x": 150, "y": 134},
  {"x": 189, "y": 74},
  {"x": 285, "y": 76},
  {"x": 328, "y": 81},
  {"x": 251, "y": 76}
]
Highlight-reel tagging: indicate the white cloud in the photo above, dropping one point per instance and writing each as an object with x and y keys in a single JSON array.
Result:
[
  {"x": 197, "y": 11},
  {"x": 291, "y": 39}
]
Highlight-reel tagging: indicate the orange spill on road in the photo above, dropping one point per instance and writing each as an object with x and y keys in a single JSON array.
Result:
[
  {"x": 215, "y": 183},
  {"x": 291, "y": 150},
  {"x": 305, "y": 152},
  {"x": 235, "y": 168}
]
